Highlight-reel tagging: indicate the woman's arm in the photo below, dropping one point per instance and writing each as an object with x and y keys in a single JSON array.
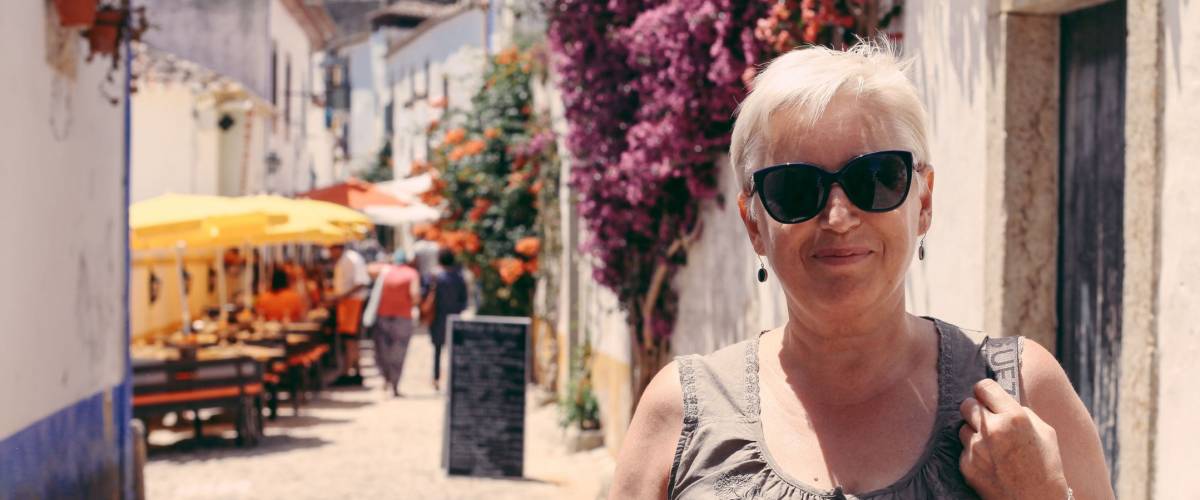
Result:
[
  {"x": 649, "y": 448},
  {"x": 1048, "y": 393}
]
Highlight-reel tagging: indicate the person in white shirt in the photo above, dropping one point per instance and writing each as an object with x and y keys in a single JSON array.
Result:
[{"x": 350, "y": 290}]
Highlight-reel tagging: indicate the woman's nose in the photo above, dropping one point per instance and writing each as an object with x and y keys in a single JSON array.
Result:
[{"x": 839, "y": 216}]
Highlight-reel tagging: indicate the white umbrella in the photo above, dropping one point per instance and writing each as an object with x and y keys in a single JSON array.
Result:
[
  {"x": 409, "y": 188},
  {"x": 396, "y": 216}
]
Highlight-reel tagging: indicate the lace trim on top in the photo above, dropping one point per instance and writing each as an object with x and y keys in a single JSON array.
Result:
[
  {"x": 753, "y": 403},
  {"x": 691, "y": 401}
]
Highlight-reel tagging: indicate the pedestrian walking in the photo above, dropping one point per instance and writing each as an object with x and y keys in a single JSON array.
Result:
[
  {"x": 449, "y": 291},
  {"x": 389, "y": 316}
]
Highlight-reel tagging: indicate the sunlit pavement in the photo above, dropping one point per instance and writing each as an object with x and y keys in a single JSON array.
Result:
[{"x": 363, "y": 443}]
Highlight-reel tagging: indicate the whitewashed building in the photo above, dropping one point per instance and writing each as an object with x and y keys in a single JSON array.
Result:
[
  {"x": 437, "y": 66},
  {"x": 63, "y": 368}
]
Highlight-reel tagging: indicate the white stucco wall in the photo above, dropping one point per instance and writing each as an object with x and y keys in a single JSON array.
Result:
[
  {"x": 365, "y": 105},
  {"x": 1177, "y": 441},
  {"x": 62, "y": 193},
  {"x": 948, "y": 40},
  {"x": 454, "y": 50},
  {"x": 721, "y": 301},
  {"x": 288, "y": 136},
  {"x": 168, "y": 153}
]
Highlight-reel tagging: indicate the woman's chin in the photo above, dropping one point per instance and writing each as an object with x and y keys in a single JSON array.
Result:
[{"x": 841, "y": 295}]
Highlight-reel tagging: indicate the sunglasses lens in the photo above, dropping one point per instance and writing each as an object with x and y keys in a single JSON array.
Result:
[
  {"x": 793, "y": 194},
  {"x": 877, "y": 182}
]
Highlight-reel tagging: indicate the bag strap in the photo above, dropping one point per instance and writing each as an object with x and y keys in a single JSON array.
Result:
[
  {"x": 372, "y": 310},
  {"x": 1003, "y": 357}
]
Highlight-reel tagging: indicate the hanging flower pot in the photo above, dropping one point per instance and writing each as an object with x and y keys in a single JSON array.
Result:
[
  {"x": 104, "y": 36},
  {"x": 76, "y": 13}
]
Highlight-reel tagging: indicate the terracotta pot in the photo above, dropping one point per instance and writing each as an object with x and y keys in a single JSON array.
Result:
[
  {"x": 76, "y": 12},
  {"x": 104, "y": 36}
]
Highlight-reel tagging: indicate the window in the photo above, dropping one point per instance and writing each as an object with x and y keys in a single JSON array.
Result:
[{"x": 287, "y": 97}]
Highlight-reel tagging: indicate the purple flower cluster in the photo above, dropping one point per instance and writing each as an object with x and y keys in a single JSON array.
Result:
[{"x": 650, "y": 87}]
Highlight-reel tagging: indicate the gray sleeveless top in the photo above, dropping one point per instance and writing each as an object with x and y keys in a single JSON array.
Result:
[{"x": 720, "y": 454}]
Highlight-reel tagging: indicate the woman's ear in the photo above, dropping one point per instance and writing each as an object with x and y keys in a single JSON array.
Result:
[
  {"x": 926, "y": 218},
  {"x": 752, "y": 230}
]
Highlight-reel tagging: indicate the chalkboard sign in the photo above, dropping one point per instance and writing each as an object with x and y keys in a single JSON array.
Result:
[{"x": 485, "y": 404}]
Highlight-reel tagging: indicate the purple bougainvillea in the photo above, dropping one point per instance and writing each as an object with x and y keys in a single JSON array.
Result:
[{"x": 650, "y": 88}]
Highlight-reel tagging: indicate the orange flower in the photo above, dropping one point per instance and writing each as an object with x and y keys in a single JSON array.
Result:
[
  {"x": 536, "y": 188},
  {"x": 439, "y": 102},
  {"x": 491, "y": 133},
  {"x": 526, "y": 109},
  {"x": 515, "y": 178},
  {"x": 457, "y": 153},
  {"x": 472, "y": 243},
  {"x": 433, "y": 199},
  {"x": 456, "y": 241},
  {"x": 529, "y": 246},
  {"x": 474, "y": 147},
  {"x": 510, "y": 269},
  {"x": 507, "y": 56},
  {"x": 531, "y": 267},
  {"x": 433, "y": 125},
  {"x": 419, "y": 230},
  {"x": 433, "y": 233},
  {"x": 479, "y": 208},
  {"x": 455, "y": 136}
]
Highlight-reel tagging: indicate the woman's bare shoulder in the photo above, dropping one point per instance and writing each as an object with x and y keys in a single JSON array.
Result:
[
  {"x": 662, "y": 402},
  {"x": 644, "y": 463}
]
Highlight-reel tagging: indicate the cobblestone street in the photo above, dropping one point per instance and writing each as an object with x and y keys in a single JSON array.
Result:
[{"x": 362, "y": 443}]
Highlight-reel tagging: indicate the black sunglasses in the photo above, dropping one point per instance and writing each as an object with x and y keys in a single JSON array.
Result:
[{"x": 796, "y": 192}]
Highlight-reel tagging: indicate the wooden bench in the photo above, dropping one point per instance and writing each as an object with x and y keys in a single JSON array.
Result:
[{"x": 231, "y": 384}]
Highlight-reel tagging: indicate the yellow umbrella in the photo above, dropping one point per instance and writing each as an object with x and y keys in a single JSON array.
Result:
[
  {"x": 351, "y": 220},
  {"x": 307, "y": 222},
  {"x": 198, "y": 221}
]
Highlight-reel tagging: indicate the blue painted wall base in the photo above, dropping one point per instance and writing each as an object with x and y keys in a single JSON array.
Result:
[{"x": 74, "y": 453}]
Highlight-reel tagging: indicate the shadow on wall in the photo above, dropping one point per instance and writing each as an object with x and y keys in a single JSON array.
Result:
[
  {"x": 1172, "y": 13},
  {"x": 954, "y": 33}
]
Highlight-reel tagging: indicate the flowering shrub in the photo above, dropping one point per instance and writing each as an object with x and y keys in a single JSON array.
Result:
[
  {"x": 488, "y": 172},
  {"x": 649, "y": 88}
]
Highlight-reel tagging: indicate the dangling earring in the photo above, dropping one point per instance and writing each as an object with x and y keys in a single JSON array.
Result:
[
  {"x": 762, "y": 271},
  {"x": 921, "y": 250}
]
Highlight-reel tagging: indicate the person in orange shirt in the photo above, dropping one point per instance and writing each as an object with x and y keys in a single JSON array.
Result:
[{"x": 281, "y": 303}]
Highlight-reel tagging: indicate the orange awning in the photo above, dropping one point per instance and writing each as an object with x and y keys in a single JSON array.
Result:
[{"x": 354, "y": 193}]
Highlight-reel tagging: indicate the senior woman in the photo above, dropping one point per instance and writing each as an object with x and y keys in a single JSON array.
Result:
[{"x": 853, "y": 397}]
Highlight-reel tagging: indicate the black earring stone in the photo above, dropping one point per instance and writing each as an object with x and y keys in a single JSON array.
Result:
[{"x": 762, "y": 274}]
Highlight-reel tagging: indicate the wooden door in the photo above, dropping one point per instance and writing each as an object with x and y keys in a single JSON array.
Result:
[{"x": 1091, "y": 210}]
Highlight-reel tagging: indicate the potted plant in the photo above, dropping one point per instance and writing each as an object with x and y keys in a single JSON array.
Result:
[
  {"x": 105, "y": 35},
  {"x": 75, "y": 13},
  {"x": 579, "y": 411}
]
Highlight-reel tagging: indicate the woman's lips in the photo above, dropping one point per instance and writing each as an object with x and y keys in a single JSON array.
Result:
[{"x": 841, "y": 256}]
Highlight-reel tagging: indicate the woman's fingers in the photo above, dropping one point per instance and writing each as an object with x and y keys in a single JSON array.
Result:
[
  {"x": 972, "y": 413},
  {"x": 994, "y": 398}
]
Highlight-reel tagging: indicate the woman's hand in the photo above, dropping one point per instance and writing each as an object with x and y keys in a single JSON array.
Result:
[{"x": 1008, "y": 451}]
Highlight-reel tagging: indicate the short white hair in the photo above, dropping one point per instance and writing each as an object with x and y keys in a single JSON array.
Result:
[{"x": 804, "y": 82}]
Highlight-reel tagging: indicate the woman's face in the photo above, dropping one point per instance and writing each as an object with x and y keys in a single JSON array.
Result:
[{"x": 845, "y": 260}]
